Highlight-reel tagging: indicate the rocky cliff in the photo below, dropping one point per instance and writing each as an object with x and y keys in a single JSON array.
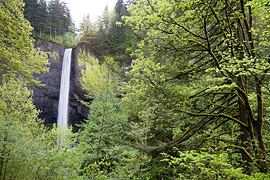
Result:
[{"x": 46, "y": 98}]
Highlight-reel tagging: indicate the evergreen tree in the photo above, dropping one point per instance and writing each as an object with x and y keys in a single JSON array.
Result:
[
  {"x": 42, "y": 15},
  {"x": 56, "y": 13},
  {"x": 103, "y": 25},
  {"x": 120, "y": 35},
  {"x": 30, "y": 12},
  {"x": 114, "y": 39},
  {"x": 87, "y": 30},
  {"x": 117, "y": 33},
  {"x": 86, "y": 26},
  {"x": 53, "y": 19}
]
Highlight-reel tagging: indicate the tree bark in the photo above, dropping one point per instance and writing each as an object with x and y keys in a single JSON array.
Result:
[
  {"x": 260, "y": 152},
  {"x": 246, "y": 137}
]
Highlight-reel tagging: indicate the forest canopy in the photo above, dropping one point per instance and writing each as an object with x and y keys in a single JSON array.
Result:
[
  {"x": 48, "y": 18},
  {"x": 203, "y": 66}
]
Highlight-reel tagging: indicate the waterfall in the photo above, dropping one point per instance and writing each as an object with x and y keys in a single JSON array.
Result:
[{"x": 62, "y": 120}]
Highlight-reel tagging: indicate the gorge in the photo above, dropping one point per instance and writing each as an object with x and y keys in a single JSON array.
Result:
[{"x": 46, "y": 97}]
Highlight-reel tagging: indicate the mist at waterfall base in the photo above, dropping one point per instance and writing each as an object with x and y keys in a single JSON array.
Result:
[{"x": 62, "y": 119}]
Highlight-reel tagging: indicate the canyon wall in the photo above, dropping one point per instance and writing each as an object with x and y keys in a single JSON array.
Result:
[{"x": 46, "y": 97}]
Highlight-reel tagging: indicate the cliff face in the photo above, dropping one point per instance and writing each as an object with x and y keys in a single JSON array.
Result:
[{"x": 46, "y": 98}]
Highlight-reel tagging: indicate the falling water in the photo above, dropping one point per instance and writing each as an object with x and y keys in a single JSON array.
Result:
[{"x": 64, "y": 91}]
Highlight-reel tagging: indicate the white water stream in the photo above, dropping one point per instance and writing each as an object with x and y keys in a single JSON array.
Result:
[{"x": 62, "y": 120}]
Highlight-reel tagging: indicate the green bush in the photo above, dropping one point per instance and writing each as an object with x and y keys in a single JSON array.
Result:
[{"x": 202, "y": 165}]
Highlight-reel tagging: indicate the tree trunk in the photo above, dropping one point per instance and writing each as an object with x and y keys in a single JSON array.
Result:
[
  {"x": 246, "y": 139},
  {"x": 260, "y": 152}
]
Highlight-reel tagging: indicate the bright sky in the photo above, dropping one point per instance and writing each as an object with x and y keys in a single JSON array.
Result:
[{"x": 95, "y": 8}]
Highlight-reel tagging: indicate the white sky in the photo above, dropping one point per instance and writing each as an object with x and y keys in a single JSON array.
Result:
[{"x": 95, "y": 8}]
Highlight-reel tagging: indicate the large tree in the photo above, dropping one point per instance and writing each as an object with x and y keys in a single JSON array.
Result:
[
  {"x": 208, "y": 60},
  {"x": 36, "y": 13},
  {"x": 114, "y": 39},
  {"x": 59, "y": 17},
  {"x": 18, "y": 56},
  {"x": 30, "y": 13},
  {"x": 53, "y": 18}
]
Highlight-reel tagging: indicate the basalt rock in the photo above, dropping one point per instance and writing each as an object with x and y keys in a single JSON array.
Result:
[{"x": 46, "y": 97}]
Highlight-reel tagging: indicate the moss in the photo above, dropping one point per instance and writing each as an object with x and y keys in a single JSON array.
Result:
[{"x": 43, "y": 41}]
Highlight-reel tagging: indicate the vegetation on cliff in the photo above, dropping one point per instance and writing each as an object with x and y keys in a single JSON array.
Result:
[{"x": 51, "y": 21}]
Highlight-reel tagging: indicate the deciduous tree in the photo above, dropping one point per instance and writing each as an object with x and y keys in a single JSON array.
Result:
[
  {"x": 208, "y": 60},
  {"x": 18, "y": 56}
]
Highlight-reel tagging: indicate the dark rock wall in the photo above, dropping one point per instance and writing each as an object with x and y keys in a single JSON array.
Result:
[
  {"x": 77, "y": 111},
  {"x": 46, "y": 98}
]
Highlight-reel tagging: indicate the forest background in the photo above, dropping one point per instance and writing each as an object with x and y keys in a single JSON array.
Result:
[{"x": 180, "y": 91}]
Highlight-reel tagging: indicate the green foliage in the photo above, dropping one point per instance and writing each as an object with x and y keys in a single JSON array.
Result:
[
  {"x": 60, "y": 157},
  {"x": 36, "y": 13},
  {"x": 18, "y": 56},
  {"x": 51, "y": 22},
  {"x": 86, "y": 26},
  {"x": 53, "y": 18},
  {"x": 205, "y": 165},
  {"x": 105, "y": 126},
  {"x": 105, "y": 135},
  {"x": 18, "y": 127},
  {"x": 129, "y": 165},
  {"x": 69, "y": 40},
  {"x": 199, "y": 70},
  {"x": 95, "y": 77},
  {"x": 27, "y": 149},
  {"x": 199, "y": 83},
  {"x": 110, "y": 37}
]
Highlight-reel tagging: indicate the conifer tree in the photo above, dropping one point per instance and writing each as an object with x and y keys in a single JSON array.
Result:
[{"x": 54, "y": 18}]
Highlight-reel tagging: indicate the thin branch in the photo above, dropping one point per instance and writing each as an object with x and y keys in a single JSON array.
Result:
[
  {"x": 215, "y": 115},
  {"x": 245, "y": 151}
]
